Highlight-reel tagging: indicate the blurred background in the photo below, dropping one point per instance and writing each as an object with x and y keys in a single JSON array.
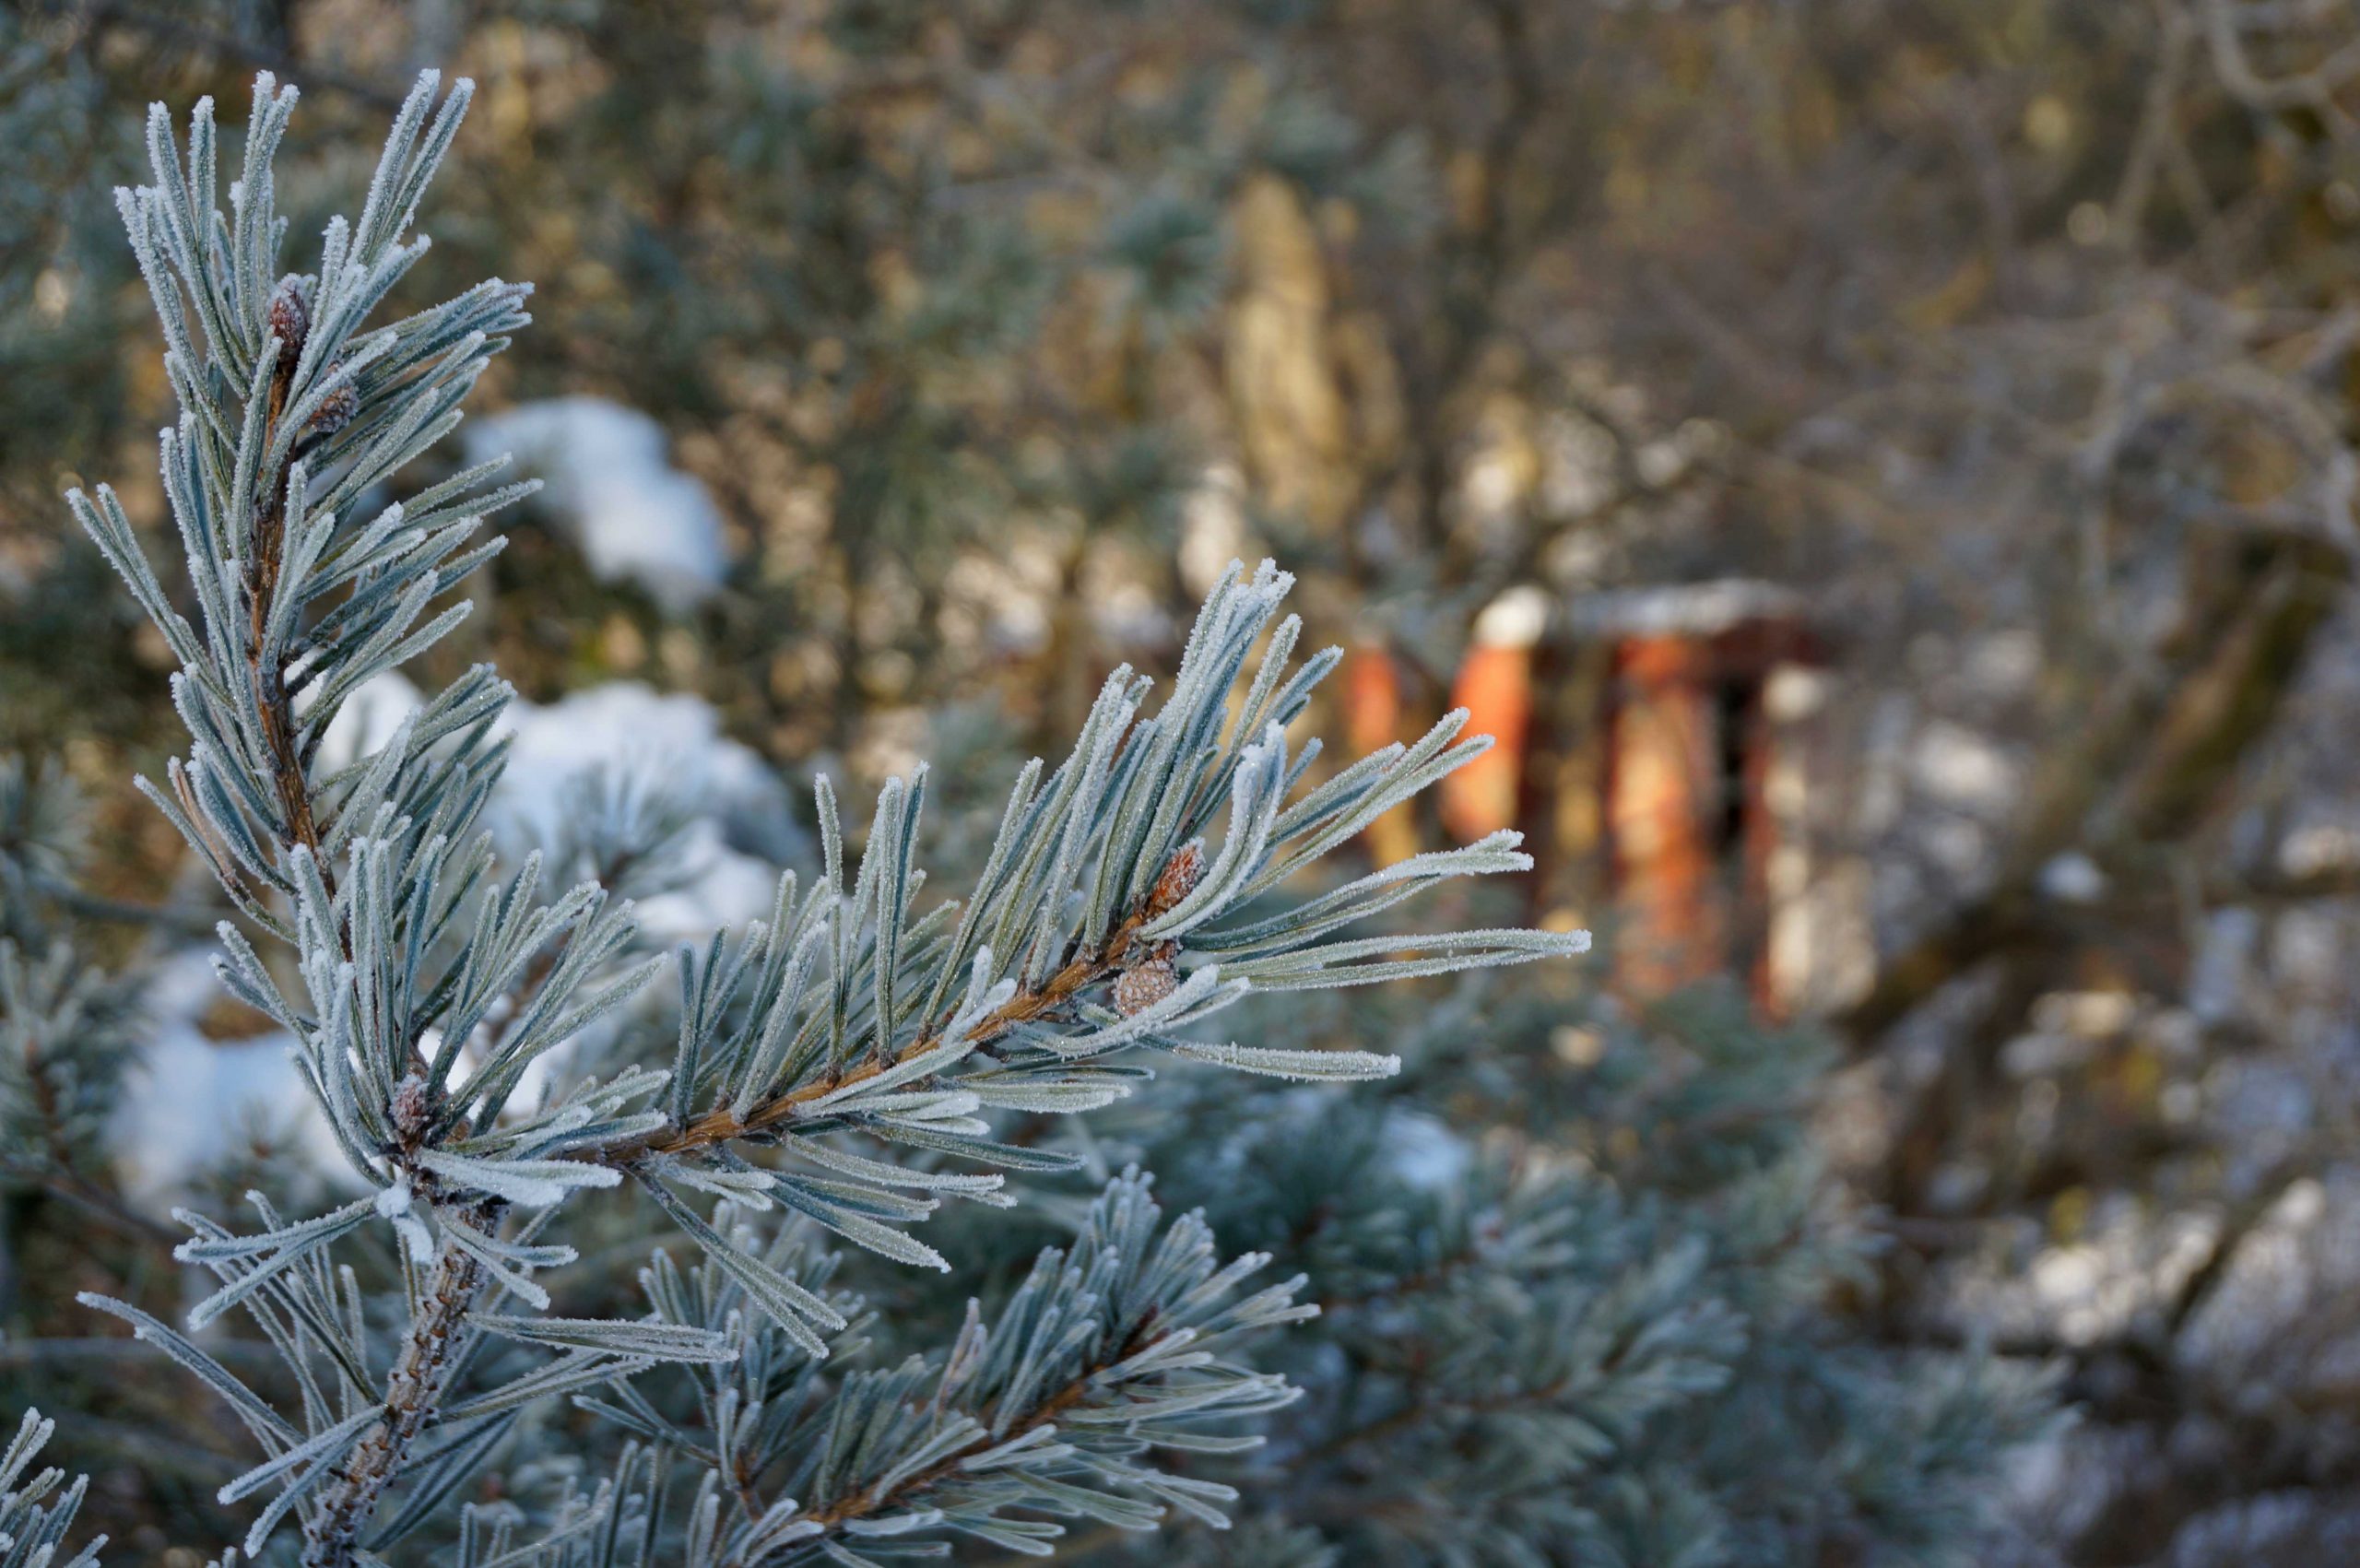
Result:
[{"x": 1884, "y": 469}]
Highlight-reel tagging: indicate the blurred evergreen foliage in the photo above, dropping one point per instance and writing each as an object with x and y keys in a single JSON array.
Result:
[{"x": 985, "y": 323}]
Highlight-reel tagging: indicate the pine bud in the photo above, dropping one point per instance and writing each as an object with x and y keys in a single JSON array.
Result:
[
  {"x": 335, "y": 413},
  {"x": 409, "y": 1106},
  {"x": 1181, "y": 874},
  {"x": 290, "y": 317},
  {"x": 1146, "y": 983}
]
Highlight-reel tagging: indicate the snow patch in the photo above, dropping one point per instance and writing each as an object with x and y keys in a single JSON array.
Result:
[
  {"x": 675, "y": 740},
  {"x": 192, "y": 1103},
  {"x": 1962, "y": 768},
  {"x": 2072, "y": 877},
  {"x": 632, "y": 515},
  {"x": 1424, "y": 1153},
  {"x": 740, "y": 824},
  {"x": 1515, "y": 619},
  {"x": 368, "y": 719}
]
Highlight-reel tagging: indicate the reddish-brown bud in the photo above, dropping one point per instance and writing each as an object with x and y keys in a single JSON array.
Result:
[
  {"x": 335, "y": 413},
  {"x": 290, "y": 317},
  {"x": 411, "y": 1105},
  {"x": 1144, "y": 985},
  {"x": 1179, "y": 878}
]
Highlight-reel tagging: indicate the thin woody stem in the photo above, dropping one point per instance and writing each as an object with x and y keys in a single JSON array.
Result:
[
  {"x": 721, "y": 1126},
  {"x": 413, "y": 1394},
  {"x": 269, "y": 685},
  {"x": 861, "y": 1504},
  {"x": 290, "y": 780}
]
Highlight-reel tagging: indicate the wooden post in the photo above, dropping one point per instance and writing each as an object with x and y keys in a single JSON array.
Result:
[{"x": 1663, "y": 795}]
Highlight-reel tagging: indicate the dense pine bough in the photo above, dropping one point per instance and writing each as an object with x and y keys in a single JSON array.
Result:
[
  {"x": 1109, "y": 1350},
  {"x": 837, "y": 1066},
  {"x": 34, "y": 1514},
  {"x": 1570, "y": 1316}
]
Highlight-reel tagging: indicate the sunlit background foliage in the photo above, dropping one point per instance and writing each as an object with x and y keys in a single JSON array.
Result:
[{"x": 896, "y": 370}]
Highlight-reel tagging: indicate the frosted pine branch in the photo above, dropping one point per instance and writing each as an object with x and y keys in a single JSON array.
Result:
[
  {"x": 842, "y": 1062},
  {"x": 1106, "y": 1354},
  {"x": 34, "y": 1513}
]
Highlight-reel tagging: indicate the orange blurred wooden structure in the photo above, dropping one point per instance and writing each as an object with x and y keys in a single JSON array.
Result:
[
  {"x": 1692, "y": 826},
  {"x": 1373, "y": 720},
  {"x": 1495, "y": 686},
  {"x": 1639, "y": 743}
]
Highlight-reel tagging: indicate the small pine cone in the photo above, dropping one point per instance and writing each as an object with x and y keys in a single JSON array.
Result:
[
  {"x": 1145, "y": 985},
  {"x": 1181, "y": 874},
  {"x": 335, "y": 413},
  {"x": 290, "y": 317}
]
